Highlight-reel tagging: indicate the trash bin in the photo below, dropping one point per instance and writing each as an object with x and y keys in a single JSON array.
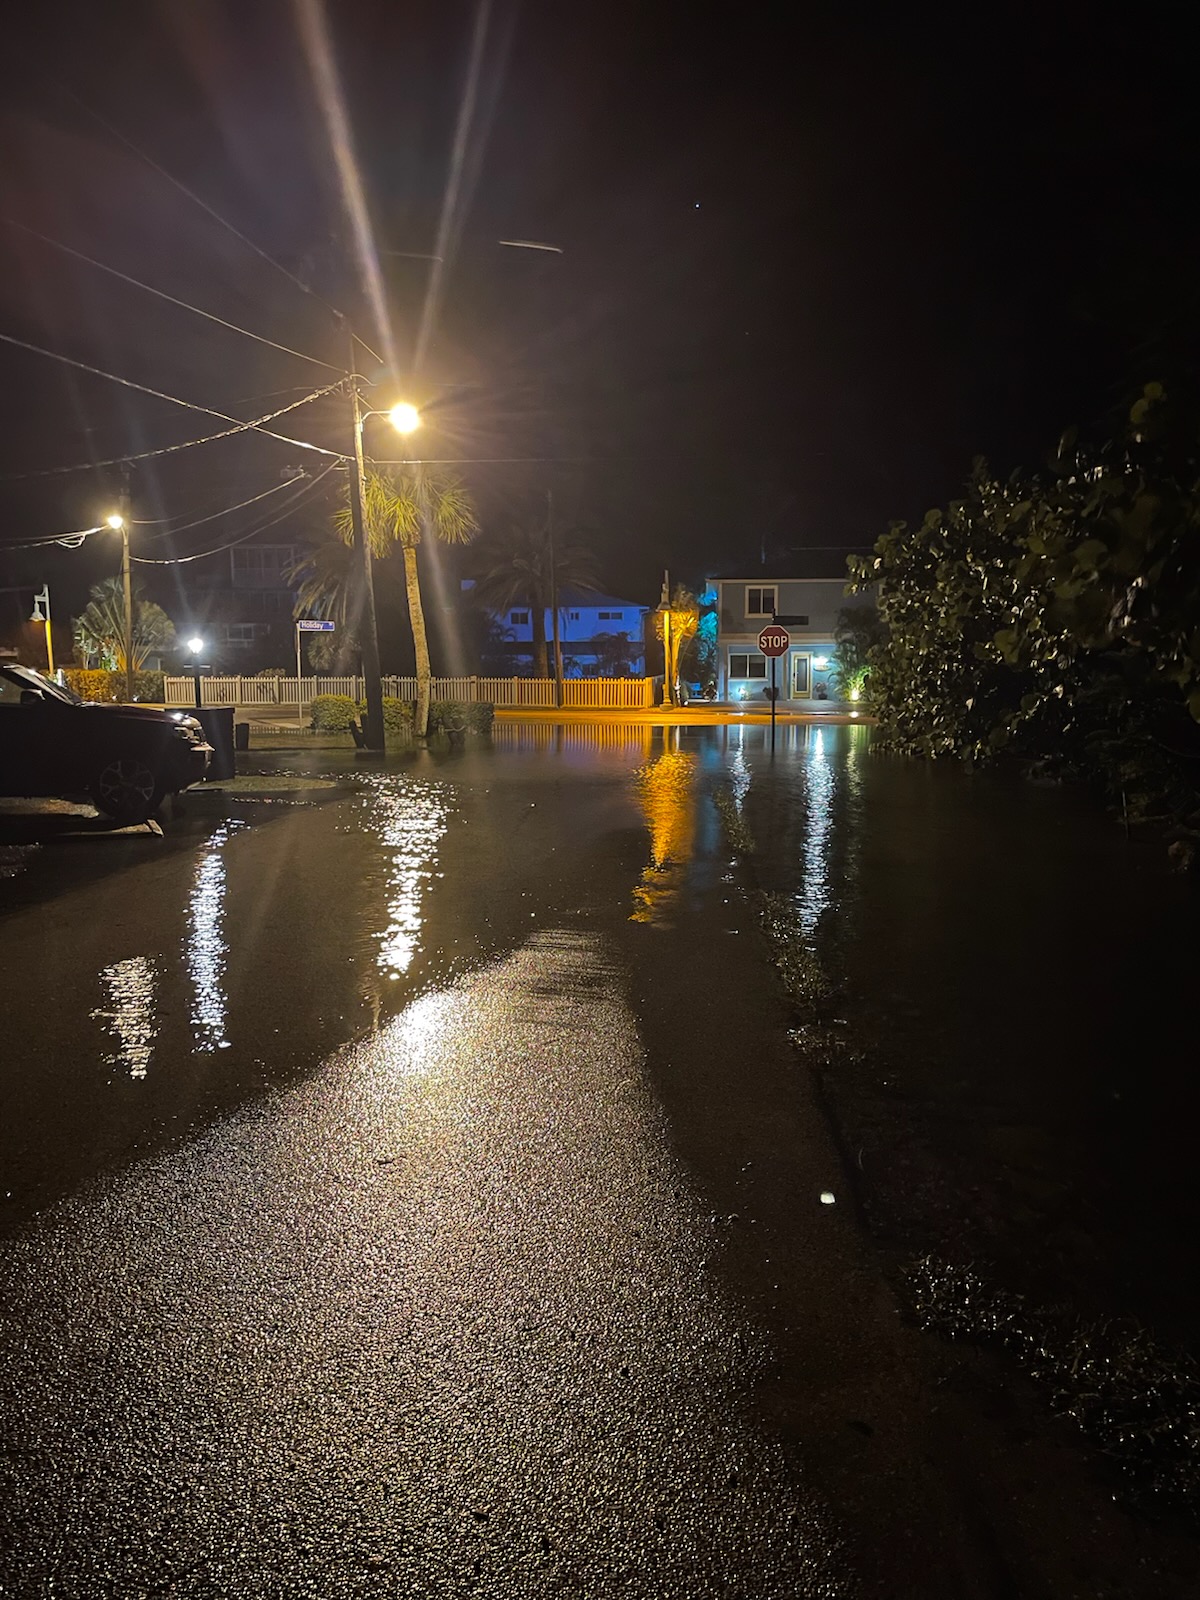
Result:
[
  {"x": 217, "y": 722},
  {"x": 241, "y": 736}
]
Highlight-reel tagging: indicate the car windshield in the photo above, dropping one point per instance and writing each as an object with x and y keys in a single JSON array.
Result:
[{"x": 14, "y": 678}]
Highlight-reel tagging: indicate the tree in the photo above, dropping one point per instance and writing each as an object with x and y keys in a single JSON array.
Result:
[
  {"x": 1053, "y": 615},
  {"x": 614, "y": 656},
  {"x": 683, "y": 613},
  {"x": 401, "y": 507},
  {"x": 100, "y": 630},
  {"x": 857, "y": 633},
  {"x": 326, "y": 577},
  {"x": 522, "y": 567}
]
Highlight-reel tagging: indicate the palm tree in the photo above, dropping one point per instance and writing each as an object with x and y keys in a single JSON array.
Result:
[
  {"x": 100, "y": 629},
  {"x": 683, "y": 609},
  {"x": 400, "y": 508},
  {"x": 523, "y": 567}
]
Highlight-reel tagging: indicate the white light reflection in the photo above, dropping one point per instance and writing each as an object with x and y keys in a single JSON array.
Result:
[
  {"x": 411, "y": 823},
  {"x": 205, "y": 949},
  {"x": 739, "y": 771},
  {"x": 130, "y": 987},
  {"x": 815, "y": 895}
]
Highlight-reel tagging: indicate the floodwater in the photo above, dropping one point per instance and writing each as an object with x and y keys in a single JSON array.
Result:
[{"x": 444, "y": 1110}]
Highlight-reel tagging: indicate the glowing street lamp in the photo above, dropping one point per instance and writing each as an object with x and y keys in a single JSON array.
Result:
[
  {"x": 195, "y": 647},
  {"x": 403, "y": 417}
]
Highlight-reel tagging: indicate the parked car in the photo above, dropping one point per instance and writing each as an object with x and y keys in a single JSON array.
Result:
[{"x": 125, "y": 759}]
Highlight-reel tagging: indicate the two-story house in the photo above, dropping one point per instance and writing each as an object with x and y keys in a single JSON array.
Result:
[
  {"x": 745, "y": 605},
  {"x": 601, "y": 636},
  {"x": 242, "y": 603}
]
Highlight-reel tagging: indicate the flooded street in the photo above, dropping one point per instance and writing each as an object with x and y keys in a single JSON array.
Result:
[{"x": 430, "y": 1179}]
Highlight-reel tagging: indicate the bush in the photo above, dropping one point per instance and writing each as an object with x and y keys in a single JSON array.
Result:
[
  {"x": 453, "y": 716},
  {"x": 397, "y": 716},
  {"x": 333, "y": 713},
  {"x": 97, "y": 684}
]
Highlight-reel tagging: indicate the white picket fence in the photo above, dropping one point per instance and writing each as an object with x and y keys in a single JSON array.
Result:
[{"x": 609, "y": 694}]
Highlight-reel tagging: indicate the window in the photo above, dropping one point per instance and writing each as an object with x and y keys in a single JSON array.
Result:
[
  {"x": 244, "y": 632},
  {"x": 744, "y": 665},
  {"x": 519, "y": 618},
  {"x": 261, "y": 564},
  {"x": 573, "y": 616},
  {"x": 760, "y": 602},
  {"x": 611, "y": 616}
]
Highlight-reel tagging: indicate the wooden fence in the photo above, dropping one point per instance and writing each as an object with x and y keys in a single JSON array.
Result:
[{"x": 609, "y": 694}]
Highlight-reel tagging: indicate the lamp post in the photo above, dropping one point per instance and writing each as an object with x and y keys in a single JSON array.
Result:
[
  {"x": 118, "y": 521},
  {"x": 195, "y": 647},
  {"x": 404, "y": 418},
  {"x": 41, "y": 613}
]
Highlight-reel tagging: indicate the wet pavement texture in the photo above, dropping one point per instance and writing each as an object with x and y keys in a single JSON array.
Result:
[{"x": 410, "y": 1185}]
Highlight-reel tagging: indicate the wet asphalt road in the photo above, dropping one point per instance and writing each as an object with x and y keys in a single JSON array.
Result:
[{"x": 410, "y": 1190}]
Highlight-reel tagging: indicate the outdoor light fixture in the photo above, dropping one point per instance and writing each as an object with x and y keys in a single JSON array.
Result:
[
  {"x": 195, "y": 646},
  {"x": 115, "y": 521},
  {"x": 820, "y": 662},
  {"x": 404, "y": 418}
]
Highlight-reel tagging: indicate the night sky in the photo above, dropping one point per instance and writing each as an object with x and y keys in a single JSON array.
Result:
[{"x": 810, "y": 267}]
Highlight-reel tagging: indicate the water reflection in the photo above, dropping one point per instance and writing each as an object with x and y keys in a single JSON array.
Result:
[
  {"x": 815, "y": 895},
  {"x": 131, "y": 1012},
  {"x": 666, "y": 792},
  {"x": 205, "y": 948},
  {"x": 627, "y": 742},
  {"x": 410, "y": 820}
]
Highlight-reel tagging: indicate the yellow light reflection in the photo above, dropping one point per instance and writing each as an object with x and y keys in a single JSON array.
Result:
[
  {"x": 130, "y": 986},
  {"x": 666, "y": 793}
]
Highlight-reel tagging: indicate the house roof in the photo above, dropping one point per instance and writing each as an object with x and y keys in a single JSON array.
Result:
[
  {"x": 796, "y": 567},
  {"x": 569, "y": 595}
]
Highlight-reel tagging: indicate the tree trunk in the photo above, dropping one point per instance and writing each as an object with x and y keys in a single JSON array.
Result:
[
  {"x": 541, "y": 663},
  {"x": 416, "y": 617}
]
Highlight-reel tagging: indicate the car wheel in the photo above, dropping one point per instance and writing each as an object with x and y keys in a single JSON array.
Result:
[{"x": 126, "y": 790}]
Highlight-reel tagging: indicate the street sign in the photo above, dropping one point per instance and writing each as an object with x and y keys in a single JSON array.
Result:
[
  {"x": 317, "y": 626},
  {"x": 774, "y": 640}
]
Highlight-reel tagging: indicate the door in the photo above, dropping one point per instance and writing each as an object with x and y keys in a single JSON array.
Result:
[{"x": 801, "y": 677}]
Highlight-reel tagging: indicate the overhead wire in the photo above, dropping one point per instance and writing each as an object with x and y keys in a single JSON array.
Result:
[
  {"x": 179, "y": 561},
  {"x": 170, "y": 449},
  {"x": 161, "y": 294},
  {"x": 158, "y": 394},
  {"x": 225, "y": 511},
  {"x": 213, "y": 213}
]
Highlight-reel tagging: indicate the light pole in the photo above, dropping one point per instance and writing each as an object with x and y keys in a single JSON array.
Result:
[
  {"x": 404, "y": 418},
  {"x": 118, "y": 521},
  {"x": 196, "y": 646},
  {"x": 41, "y": 613}
]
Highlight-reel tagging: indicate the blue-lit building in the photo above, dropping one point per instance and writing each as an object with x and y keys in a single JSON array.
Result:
[{"x": 601, "y": 636}]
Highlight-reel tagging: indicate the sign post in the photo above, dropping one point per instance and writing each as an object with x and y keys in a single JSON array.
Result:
[
  {"x": 773, "y": 641},
  {"x": 306, "y": 625}
]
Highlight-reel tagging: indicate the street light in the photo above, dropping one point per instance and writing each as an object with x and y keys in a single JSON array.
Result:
[
  {"x": 195, "y": 646},
  {"x": 404, "y": 418},
  {"x": 118, "y": 521}
]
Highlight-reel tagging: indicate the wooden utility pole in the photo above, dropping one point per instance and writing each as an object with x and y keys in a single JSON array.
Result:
[
  {"x": 372, "y": 722},
  {"x": 127, "y": 580},
  {"x": 558, "y": 664}
]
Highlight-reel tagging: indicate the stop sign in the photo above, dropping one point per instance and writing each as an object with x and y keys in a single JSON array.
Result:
[{"x": 774, "y": 640}]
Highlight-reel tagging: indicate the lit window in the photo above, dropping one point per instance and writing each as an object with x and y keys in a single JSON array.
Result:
[
  {"x": 744, "y": 665},
  {"x": 760, "y": 602}
]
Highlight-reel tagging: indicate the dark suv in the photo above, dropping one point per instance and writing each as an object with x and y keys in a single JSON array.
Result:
[{"x": 125, "y": 759}]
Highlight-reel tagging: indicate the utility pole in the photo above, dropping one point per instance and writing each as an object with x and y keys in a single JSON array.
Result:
[
  {"x": 372, "y": 722},
  {"x": 41, "y": 613},
  {"x": 127, "y": 581},
  {"x": 668, "y": 687},
  {"x": 558, "y": 666}
]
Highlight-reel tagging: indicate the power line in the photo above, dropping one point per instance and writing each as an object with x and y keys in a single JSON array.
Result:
[
  {"x": 74, "y": 539},
  {"x": 161, "y": 294},
  {"x": 212, "y": 212},
  {"x": 179, "y": 561},
  {"x": 128, "y": 383},
  {"x": 171, "y": 449},
  {"x": 226, "y": 511}
]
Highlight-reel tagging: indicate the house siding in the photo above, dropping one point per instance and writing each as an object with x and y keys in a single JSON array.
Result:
[{"x": 805, "y": 672}]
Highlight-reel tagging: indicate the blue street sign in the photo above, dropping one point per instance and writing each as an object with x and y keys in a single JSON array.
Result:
[{"x": 319, "y": 626}]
